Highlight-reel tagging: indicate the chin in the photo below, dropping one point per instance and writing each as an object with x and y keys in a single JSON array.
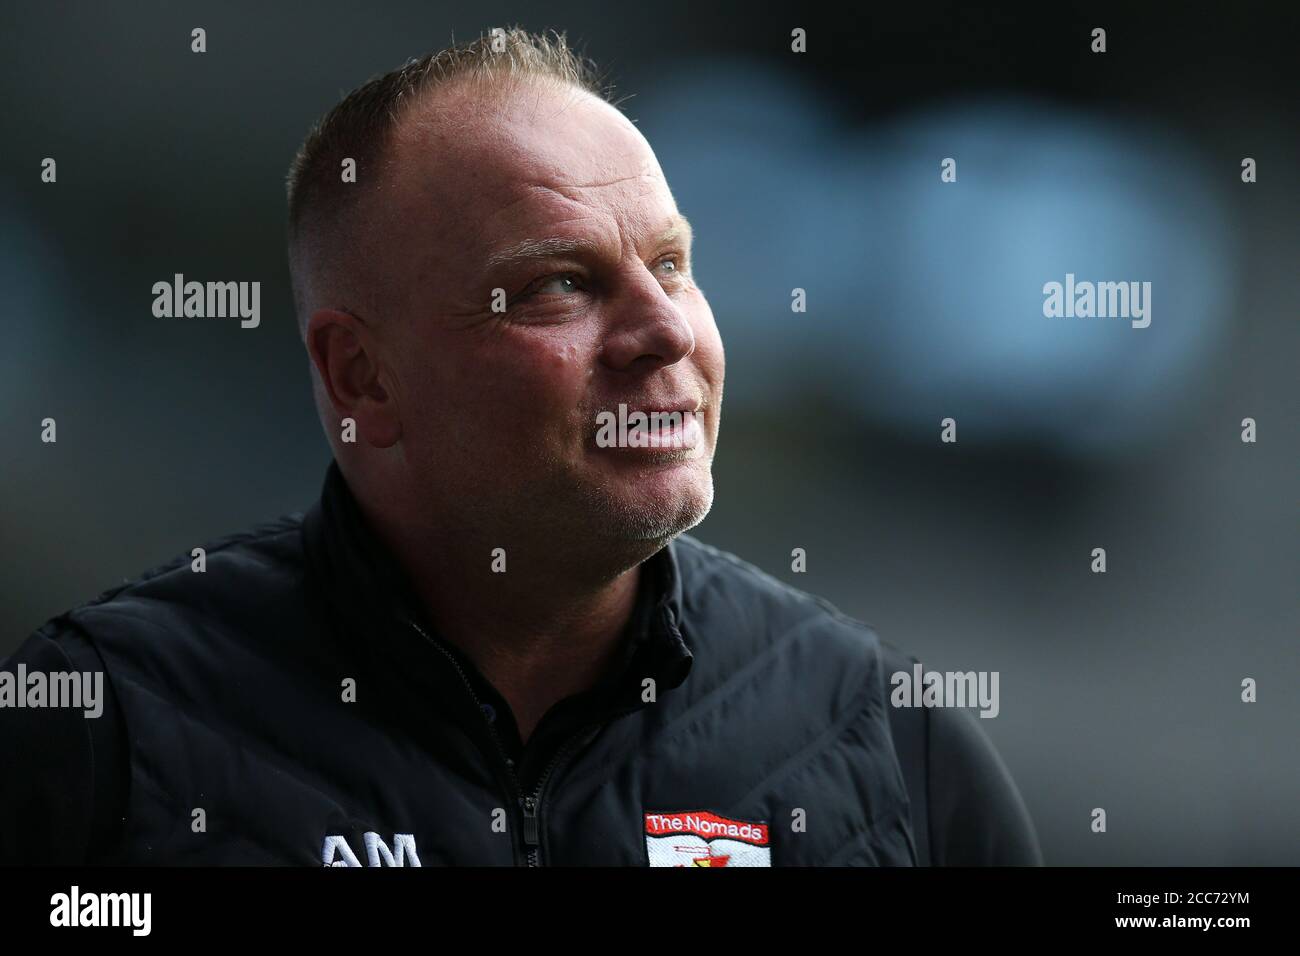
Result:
[{"x": 662, "y": 513}]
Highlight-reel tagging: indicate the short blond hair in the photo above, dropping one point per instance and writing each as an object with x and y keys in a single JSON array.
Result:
[{"x": 361, "y": 125}]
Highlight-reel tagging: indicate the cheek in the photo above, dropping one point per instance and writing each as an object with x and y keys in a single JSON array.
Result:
[
  {"x": 709, "y": 353},
  {"x": 550, "y": 376},
  {"x": 522, "y": 388}
]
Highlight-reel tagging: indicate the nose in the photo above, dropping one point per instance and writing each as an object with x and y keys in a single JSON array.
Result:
[{"x": 647, "y": 329}]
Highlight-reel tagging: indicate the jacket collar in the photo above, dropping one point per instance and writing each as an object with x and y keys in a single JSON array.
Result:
[{"x": 364, "y": 588}]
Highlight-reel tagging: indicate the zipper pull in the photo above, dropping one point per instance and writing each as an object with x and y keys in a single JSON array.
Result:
[{"x": 530, "y": 821}]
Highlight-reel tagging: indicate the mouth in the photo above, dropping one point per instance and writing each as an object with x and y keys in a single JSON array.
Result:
[{"x": 675, "y": 427}]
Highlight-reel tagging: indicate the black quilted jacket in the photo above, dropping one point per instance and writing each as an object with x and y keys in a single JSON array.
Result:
[{"x": 289, "y": 705}]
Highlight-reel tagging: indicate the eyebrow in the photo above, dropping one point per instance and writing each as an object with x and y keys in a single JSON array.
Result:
[
  {"x": 555, "y": 247},
  {"x": 679, "y": 227}
]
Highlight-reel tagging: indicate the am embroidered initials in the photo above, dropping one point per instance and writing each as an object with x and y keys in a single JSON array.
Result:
[{"x": 336, "y": 852}]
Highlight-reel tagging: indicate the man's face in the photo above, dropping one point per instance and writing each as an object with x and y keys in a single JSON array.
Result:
[{"x": 555, "y": 198}]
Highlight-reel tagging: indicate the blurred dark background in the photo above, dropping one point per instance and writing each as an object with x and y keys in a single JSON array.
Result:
[{"x": 819, "y": 171}]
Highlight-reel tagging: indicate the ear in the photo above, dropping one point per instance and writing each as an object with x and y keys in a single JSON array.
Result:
[{"x": 346, "y": 355}]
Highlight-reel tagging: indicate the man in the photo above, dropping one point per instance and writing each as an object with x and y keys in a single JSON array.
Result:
[{"x": 489, "y": 642}]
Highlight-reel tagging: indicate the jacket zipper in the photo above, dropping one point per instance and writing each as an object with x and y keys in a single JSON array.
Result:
[
  {"x": 530, "y": 825},
  {"x": 530, "y": 805},
  {"x": 533, "y": 804}
]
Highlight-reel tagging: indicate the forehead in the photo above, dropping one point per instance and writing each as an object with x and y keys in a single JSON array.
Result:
[{"x": 476, "y": 170}]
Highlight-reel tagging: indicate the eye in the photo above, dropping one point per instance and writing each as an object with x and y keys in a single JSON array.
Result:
[
  {"x": 671, "y": 263},
  {"x": 557, "y": 284}
]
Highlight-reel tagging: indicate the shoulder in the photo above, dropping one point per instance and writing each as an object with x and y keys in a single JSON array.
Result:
[
  {"x": 168, "y": 631},
  {"x": 757, "y": 640},
  {"x": 962, "y": 792},
  {"x": 49, "y": 802},
  {"x": 239, "y": 584},
  {"x": 254, "y": 555},
  {"x": 154, "y": 632},
  {"x": 966, "y": 805},
  {"x": 719, "y": 586},
  {"x": 977, "y": 815}
]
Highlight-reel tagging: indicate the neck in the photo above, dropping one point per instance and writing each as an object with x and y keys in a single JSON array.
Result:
[{"x": 546, "y": 627}]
